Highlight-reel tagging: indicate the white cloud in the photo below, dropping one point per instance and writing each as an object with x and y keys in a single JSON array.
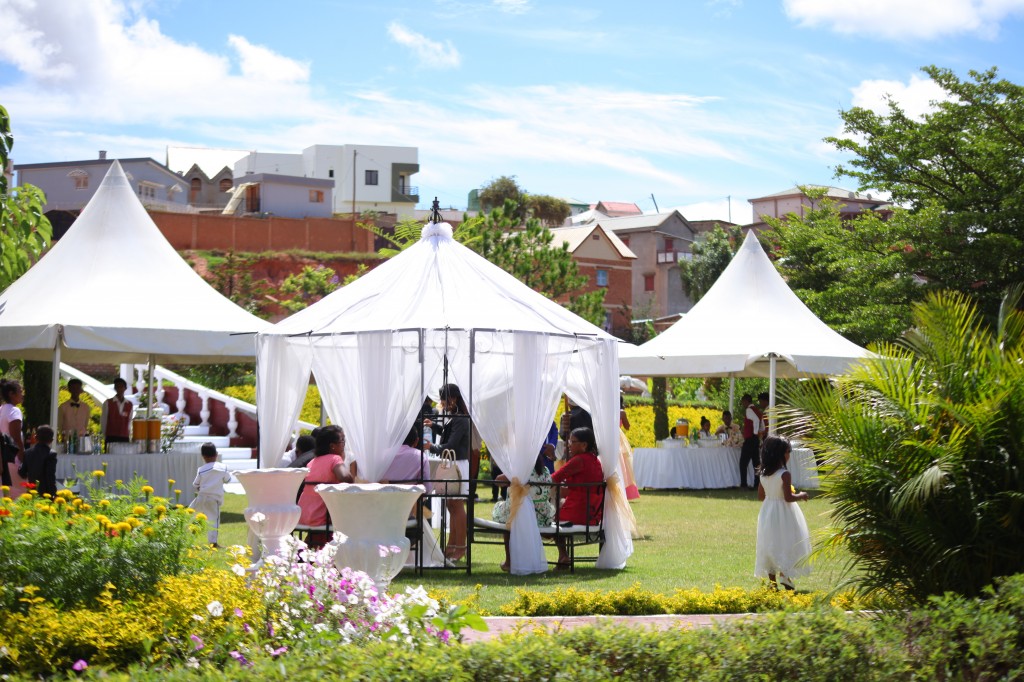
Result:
[
  {"x": 903, "y": 19},
  {"x": 429, "y": 53},
  {"x": 513, "y": 6},
  {"x": 914, "y": 97},
  {"x": 104, "y": 64},
  {"x": 738, "y": 210}
]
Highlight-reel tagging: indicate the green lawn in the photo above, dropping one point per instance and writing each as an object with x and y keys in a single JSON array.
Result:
[{"x": 695, "y": 538}]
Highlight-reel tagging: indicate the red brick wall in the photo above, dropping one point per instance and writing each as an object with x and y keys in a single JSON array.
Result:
[
  {"x": 208, "y": 232},
  {"x": 618, "y": 295}
]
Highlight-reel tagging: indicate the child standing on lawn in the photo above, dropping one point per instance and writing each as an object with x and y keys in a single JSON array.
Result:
[
  {"x": 783, "y": 541},
  {"x": 209, "y": 486}
]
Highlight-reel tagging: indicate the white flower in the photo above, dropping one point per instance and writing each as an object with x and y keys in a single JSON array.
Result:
[
  {"x": 192, "y": 662},
  {"x": 258, "y": 517},
  {"x": 238, "y": 569},
  {"x": 215, "y": 608},
  {"x": 196, "y": 617}
]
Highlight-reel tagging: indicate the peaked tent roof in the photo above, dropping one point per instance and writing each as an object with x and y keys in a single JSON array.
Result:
[
  {"x": 436, "y": 283},
  {"x": 748, "y": 314},
  {"x": 115, "y": 290}
]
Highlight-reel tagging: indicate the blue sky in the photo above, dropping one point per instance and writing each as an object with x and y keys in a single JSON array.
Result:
[{"x": 691, "y": 101}]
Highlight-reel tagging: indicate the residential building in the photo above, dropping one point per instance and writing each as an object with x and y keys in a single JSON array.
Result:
[
  {"x": 794, "y": 200},
  {"x": 366, "y": 178},
  {"x": 287, "y": 196},
  {"x": 617, "y": 209},
  {"x": 69, "y": 185},
  {"x": 659, "y": 241},
  {"x": 209, "y": 173},
  {"x": 608, "y": 263}
]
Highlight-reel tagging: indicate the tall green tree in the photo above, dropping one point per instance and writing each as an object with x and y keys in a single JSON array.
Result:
[
  {"x": 857, "y": 275},
  {"x": 550, "y": 210},
  {"x": 500, "y": 190},
  {"x": 924, "y": 451},
  {"x": 711, "y": 256},
  {"x": 25, "y": 233},
  {"x": 964, "y": 160},
  {"x": 529, "y": 254}
]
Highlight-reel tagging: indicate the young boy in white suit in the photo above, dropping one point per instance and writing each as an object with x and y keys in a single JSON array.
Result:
[{"x": 209, "y": 486}]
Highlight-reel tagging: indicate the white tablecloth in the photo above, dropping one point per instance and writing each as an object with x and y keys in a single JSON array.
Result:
[
  {"x": 155, "y": 468},
  {"x": 718, "y": 467}
]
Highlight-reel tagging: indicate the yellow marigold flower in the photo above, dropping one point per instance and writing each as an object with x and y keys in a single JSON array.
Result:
[
  {"x": 59, "y": 501},
  {"x": 200, "y": 517},
  {"x": 147, "y": 531},
  {"x": 65, "y": 493},
  {"x": 179, "y": 506},
  {"x": 99, "y": 473},
  {"x": 139, "y": 510},
  {"x": 101, "y": 519},
  {"x": 160, "y": 509},
  {"x": 190, "y": 510},
  {"x": 119, "y": 483},
  {"x": 85, "y": 507},
  {"x": 24, "y": 497},
  {"x": 47, "y": 496},
  {"x": 147, "y": 490},
  {"x": 135, "y": 523},
  {"x": 5, "y": 488},
  {"x": 77, "y": 502},
  {"x": 170, "y": 482},
  {"x": 193, "y": 529},
  {"x": 104, "y": 504},
  {"x": 123, "y": 527},
  {"x": 28, "y": 513}
]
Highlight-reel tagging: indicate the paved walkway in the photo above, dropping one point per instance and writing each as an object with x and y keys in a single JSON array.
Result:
[{"x": 500, "y": 625}]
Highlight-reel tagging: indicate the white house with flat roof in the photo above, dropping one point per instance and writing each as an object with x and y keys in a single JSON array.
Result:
[{"x": 366, "y": 177}]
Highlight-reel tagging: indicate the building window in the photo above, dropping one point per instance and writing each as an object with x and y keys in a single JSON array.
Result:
[
  {"x": 669, "y": 244},
  {"x": 602, "y": 278},
  {"x": 316, "y": 196},
  {"x": 147, "y": 191},
  {"x": 648, "y": 282},
  {"x": 225, "y": 185},
  {"x": 80, "y": 178},
  {"x": 371, "y": 177},
  {"x": 596, "y": 236},
  {"x": 624, "y": 240},
  {"x": 330, "y": 173}
]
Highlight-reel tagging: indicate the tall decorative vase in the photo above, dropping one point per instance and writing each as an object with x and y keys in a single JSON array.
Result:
[
  {"x": 369, "y": 526},
  {"x": 271, "y": 512}
]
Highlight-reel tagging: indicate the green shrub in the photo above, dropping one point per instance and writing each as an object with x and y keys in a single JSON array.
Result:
[{"x": 68, "y": 549}]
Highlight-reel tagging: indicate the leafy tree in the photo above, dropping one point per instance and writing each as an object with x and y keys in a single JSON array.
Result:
[
  {"x": 24, "y": 231},
  {"x": 551, "y": 211},
  {"x": 233, "y": 279},
  {"x": 857, "y": 275},
  {"x": 965, "y": 161},
  {"x": 924, "y": 449},
  {"x": 307, "y": 287},
  {"x": 711, "y": 256},
  {"x": 528, "y": 254},
  {"x": 500, "y": 191}
]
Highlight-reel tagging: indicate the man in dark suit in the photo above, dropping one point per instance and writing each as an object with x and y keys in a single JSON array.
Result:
[{"x": 41, "y": 462}]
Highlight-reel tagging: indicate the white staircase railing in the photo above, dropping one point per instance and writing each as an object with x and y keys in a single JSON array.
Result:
[{"x": 101, "y": 392}]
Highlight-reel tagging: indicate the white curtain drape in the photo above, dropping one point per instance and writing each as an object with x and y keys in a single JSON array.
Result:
[
  {"x": 371, "y": 387},
  {"x": 516, "y": 382},
  {"x": 593, "y": 383},
  {"x": 282, "y": 379}
]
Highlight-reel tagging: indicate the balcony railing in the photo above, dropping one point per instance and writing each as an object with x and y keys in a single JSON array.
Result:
[
  {"x": 673, "y": 256},
  {"x": 409, "y": 191}
]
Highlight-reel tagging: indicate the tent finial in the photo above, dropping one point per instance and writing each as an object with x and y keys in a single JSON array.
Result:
[{"x": 435, "y": 212}]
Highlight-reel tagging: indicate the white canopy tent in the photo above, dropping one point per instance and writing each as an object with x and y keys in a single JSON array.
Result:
[
  {"x": 114, "y": 290},
  {"x": 747, "y": 323},
  {"x": 380, "y": 344}
]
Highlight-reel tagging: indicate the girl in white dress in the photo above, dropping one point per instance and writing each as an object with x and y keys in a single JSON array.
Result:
[{"x": 783, "y": 541}]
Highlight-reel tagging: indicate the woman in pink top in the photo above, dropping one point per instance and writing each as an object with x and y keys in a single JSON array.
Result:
[{"x": 327, "y": 467}]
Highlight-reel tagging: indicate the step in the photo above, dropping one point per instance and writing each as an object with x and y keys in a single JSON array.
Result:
[
  {"x": 197, "y": 430},
  {"x": 219, "y": 441}
]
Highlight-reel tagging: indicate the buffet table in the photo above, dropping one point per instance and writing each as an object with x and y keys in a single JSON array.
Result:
[
  {"x": 710, "y": 467},
  {"x": 156, "y": 468}
]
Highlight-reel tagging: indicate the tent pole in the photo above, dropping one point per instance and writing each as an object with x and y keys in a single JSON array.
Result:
[
  {"x": 732, "y": 393},
  {"x": 771, "y": 394},
  {"x": 149, "y": 389},
  {"x": 55, "y": 383}
]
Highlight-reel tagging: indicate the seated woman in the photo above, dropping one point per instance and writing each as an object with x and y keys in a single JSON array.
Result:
[
  {"x": 705, "y": 428},
  {"x": 328, "y": 466},
  {"x": 580, "y": 505},
  {"x": 541, "y": 496}
]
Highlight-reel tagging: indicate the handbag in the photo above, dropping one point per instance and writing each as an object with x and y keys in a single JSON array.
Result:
[
  {"x": 8, "y": 449},
  {"x": 448, "y": 474}
]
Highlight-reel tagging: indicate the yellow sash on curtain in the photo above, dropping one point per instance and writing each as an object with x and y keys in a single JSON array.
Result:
[
  {"x": 517, "y": 492},
  {"x": 616, "y": 494}
]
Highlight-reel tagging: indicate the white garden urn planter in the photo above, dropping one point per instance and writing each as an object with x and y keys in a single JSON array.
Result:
[
  {"x": 272, "y": 512},
  {"x": 369, "y": 526}
]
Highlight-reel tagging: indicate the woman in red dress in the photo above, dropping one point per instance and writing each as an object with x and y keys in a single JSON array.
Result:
[{"x": 580, "y": 505}]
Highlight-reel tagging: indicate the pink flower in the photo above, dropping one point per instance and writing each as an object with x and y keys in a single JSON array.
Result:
[
  {"x": 79, "y": 666},
  {"x": 197, "y": 640}
]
